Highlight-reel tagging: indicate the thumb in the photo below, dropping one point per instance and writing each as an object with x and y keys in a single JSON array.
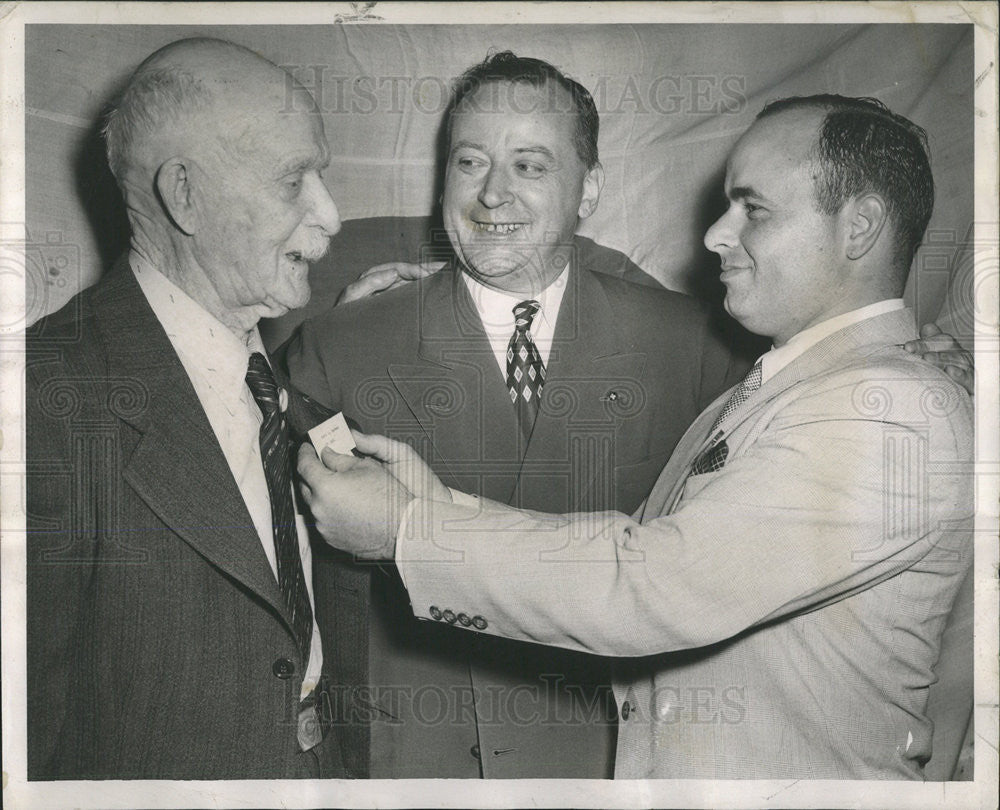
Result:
[
  {"x": 337, "y": 462},
  {"x": 415, "y": 271},
  {"x": 308, "y": 462},
  {"x": 384, "y": 449},
  {"x": 929, "y": 330}
]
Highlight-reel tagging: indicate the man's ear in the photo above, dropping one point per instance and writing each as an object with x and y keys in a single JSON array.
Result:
[
  {"x": 866, "y": 217},
  {"x": 593, "y": 182},
  {"x": 173, "y": 186}
]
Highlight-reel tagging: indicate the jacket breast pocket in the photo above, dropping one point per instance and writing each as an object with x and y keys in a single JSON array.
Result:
[{"x": 710, "y": 460}]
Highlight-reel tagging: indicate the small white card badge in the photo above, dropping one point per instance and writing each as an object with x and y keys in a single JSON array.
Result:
[{"x": 333, "y": 433}]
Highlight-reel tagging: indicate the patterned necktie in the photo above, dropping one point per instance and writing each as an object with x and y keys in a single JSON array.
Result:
[
  {"x": 525, "y": 372},
  {"x": 274, "y": 453},
  {"x": 713, "y": 458},
  {"x": 747, "y": 386}
]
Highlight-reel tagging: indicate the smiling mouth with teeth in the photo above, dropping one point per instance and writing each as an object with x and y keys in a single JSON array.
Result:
[{"x": 497, "y": 227}]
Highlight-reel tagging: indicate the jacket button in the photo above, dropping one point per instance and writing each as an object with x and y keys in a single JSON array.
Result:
[
  {"x": 435, "y": 612},
  {"x": 283, "y": 668},
  {"x": 464, "y": 620},
  {"x": 449, "y": 616},
  {"x": 479, "y": 623},
  {"x": 474, "y": 751},
  {"x": 626, "y": 710}
]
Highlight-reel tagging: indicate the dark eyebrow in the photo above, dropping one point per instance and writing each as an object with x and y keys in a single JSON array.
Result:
[
  {"x": 536, "y": 150},
  {"x": 525, "y": 150},
  {"x": 743, "y": 192},
  {"x": 467, "y": 145}
]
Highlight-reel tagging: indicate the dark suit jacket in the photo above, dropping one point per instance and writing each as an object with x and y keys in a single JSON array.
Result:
[
  {"x": 154, "y": 620},
  {"x": 630, "y": 369}
]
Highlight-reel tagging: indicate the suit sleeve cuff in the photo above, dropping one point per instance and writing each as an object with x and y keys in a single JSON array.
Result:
[{"x": 458, "y": 498}]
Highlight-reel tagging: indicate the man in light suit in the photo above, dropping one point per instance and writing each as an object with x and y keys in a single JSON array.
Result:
[
  {"x": 777, "y": 604},
  {"x": 627, "y": 368},
  {"x": 170, "y": 629}
]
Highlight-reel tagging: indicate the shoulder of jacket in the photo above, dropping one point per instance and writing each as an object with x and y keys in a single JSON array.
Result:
[{"x": 634, "y": 295}]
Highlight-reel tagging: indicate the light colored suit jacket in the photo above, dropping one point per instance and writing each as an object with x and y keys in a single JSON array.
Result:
[{"x": 784, "y": 620}]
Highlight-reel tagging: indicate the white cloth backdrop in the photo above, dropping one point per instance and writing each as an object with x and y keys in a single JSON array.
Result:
[{"x": 672, "y": 99}]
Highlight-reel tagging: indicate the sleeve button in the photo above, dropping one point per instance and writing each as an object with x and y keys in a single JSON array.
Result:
[
  {"x": 479, "y": 623},
  {"x": 449, "y": 616},
  {"x": 435, "y": 612},
  {"x": 464, "y": 620}
]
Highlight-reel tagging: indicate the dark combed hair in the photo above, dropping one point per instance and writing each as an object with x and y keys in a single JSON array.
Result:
[
  {"x": 506, "y": 66},
  {"x": 865, "y": 147}
]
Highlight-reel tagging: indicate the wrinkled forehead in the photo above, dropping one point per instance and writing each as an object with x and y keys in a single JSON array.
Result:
[{"x": 263, "y": 121}]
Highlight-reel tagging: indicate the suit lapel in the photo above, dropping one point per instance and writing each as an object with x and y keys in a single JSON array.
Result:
[
  {"x": 591, "y": 359},
  {"x": 668, "y": 486},
  {"x": 852, "y": 343},
  {"x": 847, "y": 345},
  {"x": 177, "y": 468},
  {"x": 303, "y": 413},
  {"x": 456, "y": 394}
]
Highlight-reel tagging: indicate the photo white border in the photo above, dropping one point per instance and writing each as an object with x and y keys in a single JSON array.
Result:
[{"x": 18, "y": 793}]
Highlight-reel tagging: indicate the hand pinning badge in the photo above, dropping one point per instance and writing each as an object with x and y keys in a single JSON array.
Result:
[{"x": 333, "y": 433}]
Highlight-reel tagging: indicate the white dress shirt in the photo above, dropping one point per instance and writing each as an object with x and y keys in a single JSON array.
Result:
[
  {"x": 216, "y": 362},
  {"x": 496, "y": 311}
]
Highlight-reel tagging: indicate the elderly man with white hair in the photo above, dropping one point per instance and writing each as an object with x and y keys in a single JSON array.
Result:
[{"x": 170, "y": 604}]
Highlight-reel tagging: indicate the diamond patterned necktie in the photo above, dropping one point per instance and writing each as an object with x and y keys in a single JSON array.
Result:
[
  {"x": 274, "y": 453},
  {"x": 747, "y": 386},
  {"x": 525, "y": 372}
]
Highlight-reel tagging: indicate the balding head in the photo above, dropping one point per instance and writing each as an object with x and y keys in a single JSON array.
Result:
[
  {"x": 187, "y": 92},
  {"x": 219, "y": 156}
]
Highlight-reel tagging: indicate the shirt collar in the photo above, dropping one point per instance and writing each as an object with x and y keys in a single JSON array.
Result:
[
  {"x": 496, "y": 307},
  {"x": 777, "y": 358},
  {"x": 206, "y": 347}
]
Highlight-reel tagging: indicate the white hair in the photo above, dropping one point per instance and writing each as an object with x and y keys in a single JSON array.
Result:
[
  {"x": 154, "y": 98},
  {"x": 164, "y": 92}
]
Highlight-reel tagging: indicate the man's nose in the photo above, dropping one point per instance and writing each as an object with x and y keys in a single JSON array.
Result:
[
  {"x": 496, "y": 189},
  {"x": 722, "y": 234},
  {"x": 324, "y": 209}
]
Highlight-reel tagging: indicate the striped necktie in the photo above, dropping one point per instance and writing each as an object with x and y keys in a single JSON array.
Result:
[{"x": 275, "y": 455}]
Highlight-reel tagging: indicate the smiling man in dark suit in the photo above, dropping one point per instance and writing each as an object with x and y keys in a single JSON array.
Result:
[
  {"x": 524, "y": 374},
  {"x": 171, "y": 629}
]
